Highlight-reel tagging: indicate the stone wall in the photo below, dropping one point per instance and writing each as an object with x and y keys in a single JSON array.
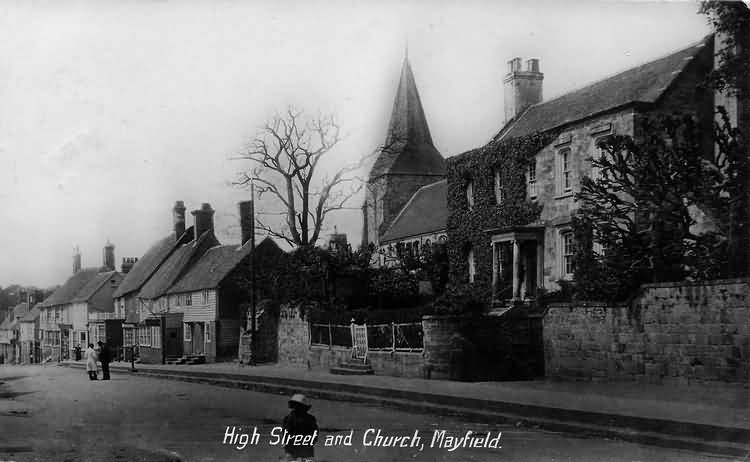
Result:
[
  {"x": 293, "y": 337},
  {"x": 671, "y": 332},
  {"x": 394, "y": 364}
]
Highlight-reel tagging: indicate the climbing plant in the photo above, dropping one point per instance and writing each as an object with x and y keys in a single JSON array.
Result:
[{"x": 468, "y": 223}]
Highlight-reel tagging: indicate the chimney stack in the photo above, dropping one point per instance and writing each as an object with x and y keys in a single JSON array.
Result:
[
  {"x": 204, "y": 220},
  {"x": 127, "y": 264},
  {"x": 108, "y": 257},
  {"x": 247, "y": 222},
  {"x": 77, "y": 260},
  {"x": 523, "y": 87},
  {"x": 178, "y": 213}
]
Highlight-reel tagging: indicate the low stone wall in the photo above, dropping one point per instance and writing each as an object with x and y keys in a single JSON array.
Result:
[
  {"x": 671, "y": 332},
  {"x": 394, "y": 364}
]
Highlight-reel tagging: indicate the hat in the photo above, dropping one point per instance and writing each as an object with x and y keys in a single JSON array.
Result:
[{"x": 299, "y": 399}]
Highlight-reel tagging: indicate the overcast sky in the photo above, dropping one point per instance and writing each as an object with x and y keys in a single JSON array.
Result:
[{"x": 111, "y": 111}]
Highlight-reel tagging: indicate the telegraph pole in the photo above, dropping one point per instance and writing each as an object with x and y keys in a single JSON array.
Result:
[{"x": 253, "y": 295}]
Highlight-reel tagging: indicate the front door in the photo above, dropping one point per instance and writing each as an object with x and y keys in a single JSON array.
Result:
[
  {"x": 173, "y": 344},
  {"x": 65, "y": 344},
  {"x": 529, "y": 269},
  {"x": 198, "y": 338}
]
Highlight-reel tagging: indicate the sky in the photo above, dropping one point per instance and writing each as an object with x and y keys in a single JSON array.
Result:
[{"x": 110, "y": 111}]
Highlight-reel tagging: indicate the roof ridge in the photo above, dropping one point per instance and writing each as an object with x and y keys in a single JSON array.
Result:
[{"x": 697, "y": 44}]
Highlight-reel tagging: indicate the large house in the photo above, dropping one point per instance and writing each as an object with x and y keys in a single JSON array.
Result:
[
  {"x": 405, "y": 181},
  {"x": 523, "y": 257},
  {"x": 64, "y": 315}
]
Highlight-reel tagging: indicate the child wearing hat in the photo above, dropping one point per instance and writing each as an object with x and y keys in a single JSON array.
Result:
[{"x": 300, "y": 422}]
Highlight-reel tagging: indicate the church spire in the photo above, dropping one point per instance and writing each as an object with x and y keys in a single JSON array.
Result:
[{"x": 408, "y": 123}]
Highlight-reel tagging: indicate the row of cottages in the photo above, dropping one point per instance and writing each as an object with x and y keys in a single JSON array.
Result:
[
  {"x": 64, "y": 315},
  {"x": 186, "y": 297},
  {"x": 516, "y": 259}
]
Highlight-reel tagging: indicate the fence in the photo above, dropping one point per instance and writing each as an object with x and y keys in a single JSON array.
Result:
[{"x": 404, "y": 337}]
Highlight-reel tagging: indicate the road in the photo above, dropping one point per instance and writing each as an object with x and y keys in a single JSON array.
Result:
[{"x": 56, "y": 413}]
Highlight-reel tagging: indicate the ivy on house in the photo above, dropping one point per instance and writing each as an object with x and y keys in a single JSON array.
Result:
[{"x": 468, "y": 225}]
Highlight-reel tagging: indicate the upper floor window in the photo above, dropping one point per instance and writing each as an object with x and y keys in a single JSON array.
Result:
[
  {"x": 531, "y": 179},
  {"x": 470, "y": 194},
  {"x": 567, "y": 250},
  {"x": 204, "y": 297},
  {"x": 188, "y": 299},
  {"x": 498, "y": 187},
  {"x": 566, "y": 174}
]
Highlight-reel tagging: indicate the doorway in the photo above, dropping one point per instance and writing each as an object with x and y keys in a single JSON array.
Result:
[{"x": 198, "y": 339}]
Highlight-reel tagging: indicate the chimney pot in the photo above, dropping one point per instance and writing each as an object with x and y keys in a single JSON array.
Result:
[
  {"x": 178, "y": 214},
  {"x": 204, "y": 220},
  {"x": 77, "y": 260},
  {"x": 108, "y": 258},
  {"x": 522, "y": 88}
]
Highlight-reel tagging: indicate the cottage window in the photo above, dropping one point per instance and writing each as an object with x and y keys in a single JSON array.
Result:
[
  {"x": 187, "y": 333},
  {"x": 472, "y": 265},
  {"x": 188, "y": 299},
  {"x": 565, "y": 184},
  {"x": 207, "y": 330},
  {"x": 567, "y": 249},
  {"x": 155, "y": 336},
  {"x": 204, "y": 297},
  {"x": 531, "y": 178},
  {"x": 498, "y": 187},
  {"x": 470, "y": 194}
]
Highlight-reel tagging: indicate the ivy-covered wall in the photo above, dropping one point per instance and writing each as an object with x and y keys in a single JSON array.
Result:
[{"x": 467, "y": 226}]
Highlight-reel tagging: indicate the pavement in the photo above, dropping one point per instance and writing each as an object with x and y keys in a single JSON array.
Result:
[
  {"x": 57, "y": 414},
  {"x": 706, "y": 417}
]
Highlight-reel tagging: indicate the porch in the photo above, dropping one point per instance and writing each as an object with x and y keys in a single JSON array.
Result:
[{"x": 517, "y": 263}]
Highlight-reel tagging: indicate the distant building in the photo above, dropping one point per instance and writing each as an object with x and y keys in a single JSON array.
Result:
[
  {"x": 64, "y": 315},
  {"x": 30, "y": 352}
]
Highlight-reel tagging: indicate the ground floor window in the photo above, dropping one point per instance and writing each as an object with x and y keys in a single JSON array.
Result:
[
  {"x": 567, "y": 244},
  {"x": 155, "y": 336},
  {"x": 187, "y": 332}
]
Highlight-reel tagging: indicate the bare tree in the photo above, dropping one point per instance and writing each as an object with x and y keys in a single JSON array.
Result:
[{"x": 285, "y": 158}]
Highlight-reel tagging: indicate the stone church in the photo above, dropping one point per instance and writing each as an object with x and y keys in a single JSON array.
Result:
[{"x": 407, "y": 162}]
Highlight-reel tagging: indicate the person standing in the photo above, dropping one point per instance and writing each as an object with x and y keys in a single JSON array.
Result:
[
  {"x": 299, "y": 422},
  {"x": 105, "y": 356},
  {"x": 91, "y": 361}
]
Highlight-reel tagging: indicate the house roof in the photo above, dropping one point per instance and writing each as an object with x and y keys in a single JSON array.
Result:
[
  {"x": 426, "y": 212},
  {"x": 145, "y": 267},
  {"x": 215, "y": 265},
  {"x": 31, "y": 315},
  {"x": 93, "y": 286},
  {"x": 69, "y": 291},
  {"x": 178, "y": 262},
  {"x": 642, "y": 84},
  {"x": 408, "y": 146}
]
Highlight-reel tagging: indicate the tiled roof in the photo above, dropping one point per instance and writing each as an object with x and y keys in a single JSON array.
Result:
[
  {"x": 93, "y": 286},
  {"x": 408, "y": 147},
  {"x": 32, "y": 315},
  {"x": 216, "y": 264},
  {"x": 20, "y": 310},
  {"x": 149, "y": 262},
  {"x": 642, "y": 84},
  {"x": 68, "y": 291},
  {"x": 176, "y": 265},
  {"x": 426, "y": 212}
]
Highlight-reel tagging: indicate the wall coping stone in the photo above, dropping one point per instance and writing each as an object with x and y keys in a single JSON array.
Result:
[{"x": 713, "y": 282}]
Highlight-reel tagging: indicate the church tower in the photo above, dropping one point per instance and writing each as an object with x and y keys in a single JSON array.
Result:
[{"x": 407, "y": 161}]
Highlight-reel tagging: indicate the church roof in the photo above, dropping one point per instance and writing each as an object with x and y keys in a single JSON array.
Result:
[
  {"x": 408, "y": 145},
  {"x": 426, "y": 212},
  {"x": 642, "y": 84}
]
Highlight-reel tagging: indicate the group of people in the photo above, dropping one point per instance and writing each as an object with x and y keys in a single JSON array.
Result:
[{"x": 101, "y": 354}]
